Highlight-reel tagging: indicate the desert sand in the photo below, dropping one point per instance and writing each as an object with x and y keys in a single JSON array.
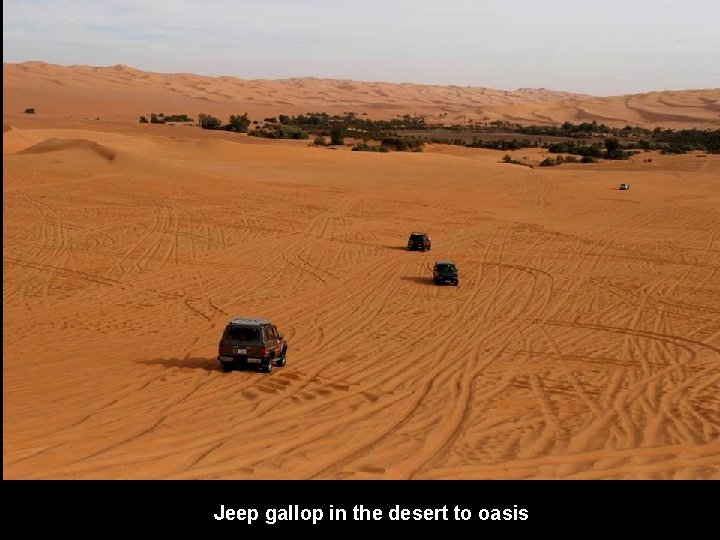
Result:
[
  {"x": 122, "y": 93},
  {"x": 582, "y": 342}
]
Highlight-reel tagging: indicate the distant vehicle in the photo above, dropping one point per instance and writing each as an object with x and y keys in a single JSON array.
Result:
[
  {"x": 445, "y": 272},
  {"x": 624, "y": 187},
  {"x": 419, "y": 241},
  {"x": 257, "y": 342}
]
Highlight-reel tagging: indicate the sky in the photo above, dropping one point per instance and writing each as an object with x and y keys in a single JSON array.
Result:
[{"x": 599, "y": 47}]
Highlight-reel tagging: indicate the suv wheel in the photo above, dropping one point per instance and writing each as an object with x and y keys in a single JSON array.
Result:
[
  {"x": 226, "y": 366},
  {"x": 267, "y": 366},
  {"x": 280, "y": 362}
]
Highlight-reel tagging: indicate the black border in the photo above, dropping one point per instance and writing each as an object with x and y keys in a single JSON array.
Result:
[{"x": 570, "y": 507}]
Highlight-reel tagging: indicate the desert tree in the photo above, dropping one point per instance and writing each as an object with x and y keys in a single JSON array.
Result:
[
  {"x": 238, "y": 123},
  {"x": 337, "y": 133},
  {"x": 208, "y": 121}
]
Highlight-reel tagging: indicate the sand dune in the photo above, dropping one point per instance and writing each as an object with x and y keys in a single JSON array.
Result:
[
  {"x": 687, "y": 109},
  {"x": 583, "y": 341},
  {"x": 69, "y": 145},
  {"x": 121, "y": 93}
]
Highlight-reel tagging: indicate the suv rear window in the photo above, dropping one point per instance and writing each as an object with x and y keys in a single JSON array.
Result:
[
  {"x": 446, "y": 268},
  {"x": 238, "y": 333}
]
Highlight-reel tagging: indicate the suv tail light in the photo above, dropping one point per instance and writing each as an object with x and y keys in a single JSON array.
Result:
[{"x": 263, "y": 351}]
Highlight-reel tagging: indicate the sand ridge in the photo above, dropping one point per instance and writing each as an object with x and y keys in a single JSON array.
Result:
[
  {"x": 59, "y": 145},
  {"x": 122, "y": 93},
  {"x": 679, "y": 110},
  {"x": 583, "y": 341}
]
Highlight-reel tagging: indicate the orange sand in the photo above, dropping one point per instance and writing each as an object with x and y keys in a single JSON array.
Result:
[
  {"x": 582, "y": 342},
  {"x": 123, "y": 93}
]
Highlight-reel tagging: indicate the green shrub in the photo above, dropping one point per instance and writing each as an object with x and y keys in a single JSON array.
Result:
[
  {"x": 365, "y": 147},
  {"x": 177, "y": 118},
  {"x": 508, "y": 159},
  {"x": 572, "y": 147},
  {"x": 238, "y": 124},
  {"x": 284, "y": 132},
  {"x": 402, "y": 144},
  {"x": 209, "y": 122},
  {"x": 337, "y": 134},
  {"x": 499, "y": 144},
  {"x": 676, "y": 148}
]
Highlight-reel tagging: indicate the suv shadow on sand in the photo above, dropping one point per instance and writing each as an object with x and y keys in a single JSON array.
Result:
[
  {"x": 422, "y": 280},
  {"x": 205, "y": 364}
]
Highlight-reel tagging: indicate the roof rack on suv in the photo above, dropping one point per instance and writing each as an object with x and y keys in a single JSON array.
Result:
[
  {"x": 255, "y": 341},
  {"x": 248, "y": 320}
]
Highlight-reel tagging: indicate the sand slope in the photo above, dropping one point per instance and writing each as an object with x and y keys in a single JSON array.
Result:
[
  {"x": 123, "y": 93},
  {"x": 582, "y": 342},
  {"x": 120, "y": 91},
  {"x": 679, "y": 110}
]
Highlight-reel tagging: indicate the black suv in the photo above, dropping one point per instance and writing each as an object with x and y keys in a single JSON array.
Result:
[
  {"x": 419, "y": 241},
  {"x": 445, "y": 272},
  {"x": 254, "y": 342}
]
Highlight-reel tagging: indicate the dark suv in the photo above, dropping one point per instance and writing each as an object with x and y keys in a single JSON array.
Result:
[
  {"x": 419, "y": 241},
  {"x": 254, "y": 342},
  {"x": 445, "y": 272}
]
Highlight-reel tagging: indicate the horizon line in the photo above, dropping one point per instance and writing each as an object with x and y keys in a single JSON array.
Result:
[{"x": 321, "y": 78}]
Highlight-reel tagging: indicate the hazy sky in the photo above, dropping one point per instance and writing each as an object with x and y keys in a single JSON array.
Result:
[{"x": 600, "y": 47}]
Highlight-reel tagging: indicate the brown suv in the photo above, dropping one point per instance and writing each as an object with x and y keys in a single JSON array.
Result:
[{"x": 254, "y": 342}]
